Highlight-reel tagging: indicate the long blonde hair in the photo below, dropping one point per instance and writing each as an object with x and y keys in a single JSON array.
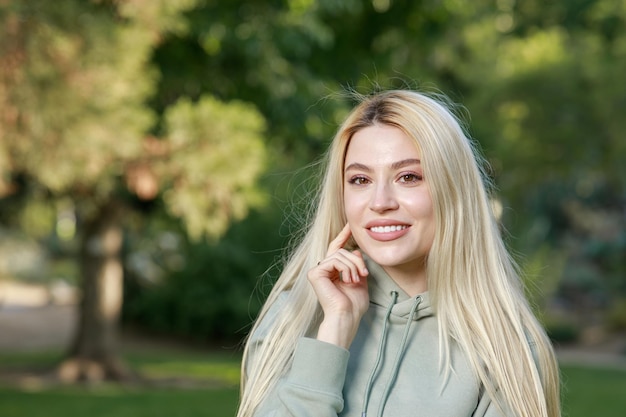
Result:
[{"x": 473, "y": 282}]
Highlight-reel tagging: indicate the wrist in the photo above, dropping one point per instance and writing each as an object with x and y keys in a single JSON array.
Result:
[{"x": 337, "y": 330}]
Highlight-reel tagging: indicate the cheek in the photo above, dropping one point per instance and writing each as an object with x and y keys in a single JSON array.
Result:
[
  {"x": 352, "y": 205},
  {"x": 421, "y": 209}
]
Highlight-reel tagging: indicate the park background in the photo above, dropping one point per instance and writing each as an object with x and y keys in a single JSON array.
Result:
[{"x": 156, "y": 157}]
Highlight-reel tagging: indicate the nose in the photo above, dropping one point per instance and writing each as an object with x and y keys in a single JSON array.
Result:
[{"x": 383, "y": 198}]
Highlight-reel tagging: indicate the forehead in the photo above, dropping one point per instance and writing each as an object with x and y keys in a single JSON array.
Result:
[{"x": 380, "y": 145}]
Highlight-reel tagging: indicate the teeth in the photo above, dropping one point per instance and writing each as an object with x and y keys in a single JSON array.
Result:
[{"x": 387, "y": 229}]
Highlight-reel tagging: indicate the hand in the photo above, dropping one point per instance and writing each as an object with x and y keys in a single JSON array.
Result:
[{"x": 340, "y": 283}]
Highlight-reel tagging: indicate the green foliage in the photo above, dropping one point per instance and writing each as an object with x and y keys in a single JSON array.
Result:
[
  {"x": 73, "y": 93},
  {"x": 562, "y": 332},
  {"x": 74, "y": 89},
  {"x": 83, "y": 85},
  {"x": 76, "y": 131},
  {"x": 617, "y": 315},
  {"x": 218, "y": 152},
  {"x": 217, "y": 292},
  {"x": 545, "y": 107},
  {"x": 542, "y": 273}
]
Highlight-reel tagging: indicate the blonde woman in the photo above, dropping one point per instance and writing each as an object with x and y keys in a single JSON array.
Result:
[{"x": 401, "y": 298}]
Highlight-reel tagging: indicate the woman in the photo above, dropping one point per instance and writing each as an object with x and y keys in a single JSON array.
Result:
[{"x": 401, "y": 299}]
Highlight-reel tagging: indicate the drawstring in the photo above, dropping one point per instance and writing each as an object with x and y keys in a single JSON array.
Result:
[
  {"x": 396, "y": 364},
  {"x": 379, "y": 356}
]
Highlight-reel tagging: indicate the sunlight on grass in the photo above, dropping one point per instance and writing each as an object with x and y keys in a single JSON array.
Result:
[
  {"x": 42, "y": 359},
  {"x": 228, "y": 373},
  {"x": 220, "y": 367},
  {"x": 35, "y": 398}
]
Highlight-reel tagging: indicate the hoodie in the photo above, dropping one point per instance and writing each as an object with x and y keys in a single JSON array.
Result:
[{"x": 392, "y": 368}]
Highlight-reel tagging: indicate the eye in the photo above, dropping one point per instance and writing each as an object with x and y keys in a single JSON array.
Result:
[
  {"x": 410, "y": 177},
  {"x": 358, "y": 180}
]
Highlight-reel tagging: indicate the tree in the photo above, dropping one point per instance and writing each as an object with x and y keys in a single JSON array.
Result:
[
  {"x": 75, "y": 79},
  {"x": 546, "y": 103}
]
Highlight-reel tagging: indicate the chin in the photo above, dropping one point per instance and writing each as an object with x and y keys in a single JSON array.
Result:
[{"x": 384, "y": 259}]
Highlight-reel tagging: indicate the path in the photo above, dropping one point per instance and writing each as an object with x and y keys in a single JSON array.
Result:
[{"x": 32, "y": 319}]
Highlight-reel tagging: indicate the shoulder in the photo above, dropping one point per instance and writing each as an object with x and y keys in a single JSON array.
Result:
[{"x": 266, "y": 320}]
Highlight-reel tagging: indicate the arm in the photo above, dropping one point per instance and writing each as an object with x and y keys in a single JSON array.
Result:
[{"x": 313, "y": 385}]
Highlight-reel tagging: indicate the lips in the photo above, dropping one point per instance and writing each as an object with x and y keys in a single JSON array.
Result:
[{"x": 386, "y": 230}]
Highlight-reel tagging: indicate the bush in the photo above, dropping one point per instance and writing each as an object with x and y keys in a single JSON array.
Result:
[
  {"x": 215, "y": 295},
  {"x": 616, "y": 316},
  {"x": 562, "y": 332}
]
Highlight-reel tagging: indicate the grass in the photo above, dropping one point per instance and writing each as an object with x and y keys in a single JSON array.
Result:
[
  {"x": 212, "y": 376},
  {"x": 593, "y": 392},
  {"x": 587, "y": 391},
  {"x": 118, "y": 402}
]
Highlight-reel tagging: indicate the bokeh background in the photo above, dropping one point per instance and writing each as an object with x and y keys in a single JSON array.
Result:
[{"x": 156, "y": 157}]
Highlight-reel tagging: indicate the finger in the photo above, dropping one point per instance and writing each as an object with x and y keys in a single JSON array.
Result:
[
  {"x": 360, "y": 263},
  {"x": 352, "y": 260},
  {"x": 337, "y": 268},
  {"x": 357, "y": 263},
  {"x": 340, "y": 240}
]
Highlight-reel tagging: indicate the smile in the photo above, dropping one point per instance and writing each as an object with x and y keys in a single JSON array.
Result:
[{"x": 387, "y": 229}]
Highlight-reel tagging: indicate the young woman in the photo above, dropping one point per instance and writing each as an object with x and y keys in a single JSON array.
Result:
[{"x": 401, "y": 299}]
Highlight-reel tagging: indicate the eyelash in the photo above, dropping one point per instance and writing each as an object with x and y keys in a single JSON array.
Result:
[
  {"x": 360, "y": 180},
  {"x": 414, "y": 177}
]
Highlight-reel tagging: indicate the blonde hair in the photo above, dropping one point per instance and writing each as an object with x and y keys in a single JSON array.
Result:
[{"x": 478, "y": 297}]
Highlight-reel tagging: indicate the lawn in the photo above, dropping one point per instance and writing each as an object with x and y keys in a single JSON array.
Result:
[
  {"x": 593, "y": 392},
  {"x": 118, "y": 402},
  {"x": 587, "y": 391},
  {"x": 191, "y": 384}
]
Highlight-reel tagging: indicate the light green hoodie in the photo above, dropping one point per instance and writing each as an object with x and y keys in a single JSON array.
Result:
[{"x": 392, "y": 369}]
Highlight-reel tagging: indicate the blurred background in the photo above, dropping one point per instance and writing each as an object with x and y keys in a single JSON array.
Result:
[{"x": 156, "y": 157}]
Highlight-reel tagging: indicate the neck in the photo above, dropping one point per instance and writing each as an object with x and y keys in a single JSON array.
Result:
[{"x": 411, "y": 281}]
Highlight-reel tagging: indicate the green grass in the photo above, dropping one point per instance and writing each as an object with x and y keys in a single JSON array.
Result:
[
  {"x": 117, "y": 402},
  {"x": 215, "y": 396},
  {"x": 587, "y": 391},
  {"x": 222, "y": 368},
  {"x": 593, "y": 392}
]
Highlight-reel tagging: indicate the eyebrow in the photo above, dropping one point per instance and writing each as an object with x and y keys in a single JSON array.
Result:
[{"x": 396, "y": 165}]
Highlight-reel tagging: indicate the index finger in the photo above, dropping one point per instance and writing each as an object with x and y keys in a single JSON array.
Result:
[{"x": 340, "y": 240}]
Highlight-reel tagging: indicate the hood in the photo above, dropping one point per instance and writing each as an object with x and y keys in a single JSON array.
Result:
[
  {"x": 400, "y": 311},
  {"x": 381, "y": 286}
]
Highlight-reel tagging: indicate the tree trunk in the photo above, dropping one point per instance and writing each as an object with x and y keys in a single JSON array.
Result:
[{"x": 93, "y": 355}]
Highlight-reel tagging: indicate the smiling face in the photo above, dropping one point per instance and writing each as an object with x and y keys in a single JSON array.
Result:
[{"x": 388, "y": 203}]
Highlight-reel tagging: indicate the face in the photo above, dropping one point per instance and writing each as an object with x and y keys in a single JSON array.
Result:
[{"x": 387, "y": 200}]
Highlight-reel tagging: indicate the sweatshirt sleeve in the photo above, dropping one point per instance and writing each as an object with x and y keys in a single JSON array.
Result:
[{"x": 313, "y": 385}]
